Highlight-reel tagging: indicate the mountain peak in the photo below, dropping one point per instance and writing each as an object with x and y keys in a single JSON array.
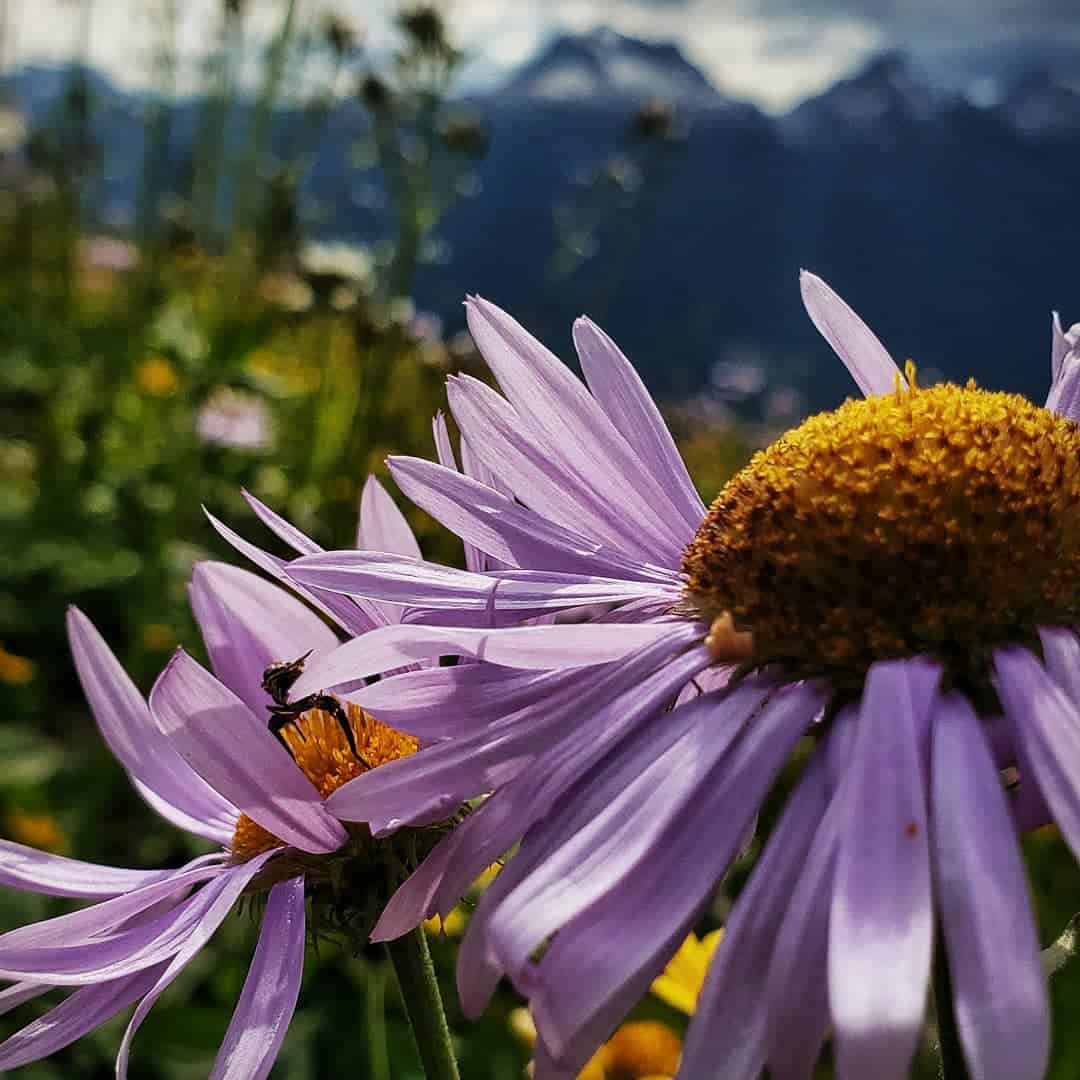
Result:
[
  {"x": 1038, "y": 103},
  {"x": 883, "y": 95},
  {"x": 604, "y": 65}
]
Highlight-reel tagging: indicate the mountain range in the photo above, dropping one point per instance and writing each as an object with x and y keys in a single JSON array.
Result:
[{"x": 951, "y": 226}]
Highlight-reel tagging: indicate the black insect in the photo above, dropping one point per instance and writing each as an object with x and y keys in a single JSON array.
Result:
[{"x": 278, "y": 680}]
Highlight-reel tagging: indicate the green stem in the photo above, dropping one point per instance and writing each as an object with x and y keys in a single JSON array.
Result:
[
  {"x": 379, "y": 1060},
  {"x": 420, "y": 992},
  {"x": 952, "y": 1065}
]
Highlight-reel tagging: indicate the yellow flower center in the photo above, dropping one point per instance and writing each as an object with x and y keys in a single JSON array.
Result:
[
  {"x": 640, "y": 1049},
  {"x": 940, "y": 521},
  {"x": 320, "y": 749}
]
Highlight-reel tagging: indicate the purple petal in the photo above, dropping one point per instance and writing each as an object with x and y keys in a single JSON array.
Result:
[
  {"x": 227, "y": 890},
  {"x": 248, "y": 624},
  {"x": 528, "y": 647},
  {"x": 441, "y": 777},
  {"x": 73, "y": 1018},
  {"x": 53, "y": 875},
  {"x": 382, "y": 525},
  {"x": 629, "y": 934},
  {"x": 578, "y": 433},
  {"x": 852, "y": 340},
  {"x": 1059, "y": 346},
  {"x": 797, "y": 988},
  {"x": 271, "y": 989},
  {"x": 507, "y": 445},
  {"x": 1061, "y": 658},
  {"x": 156, "y": 937},
  {"x": 623, "y": 397},
  {"x": 882, "y": 916},
  {"x": 1047, "y": 730},
  {"x": 998, "y": 983},
  {"x": 438, "y": 702},
  {"x": 649, "y": 681},
  {"x": 300, "y": 542},
  {"x": 178, "y": 794},
  {"x": 342, "y": 610},
  {"x": 475, "y": 559},
  {"x": 403, "y": 580},
  {"x": 11, "y": 997},
  {"x": 1064, "y": 396},
  {"x": 508, "y": 531},
  {"x": 93, "y": 922},
  {"x": 727, "y": 1036},
  {"x": 617, "y": 822},
  {"x": 220, "y": 738}
]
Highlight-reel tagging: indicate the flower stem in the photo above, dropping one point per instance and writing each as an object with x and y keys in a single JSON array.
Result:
[
  {"x": 423, "y": 1003},
  {"x": 952, "y": 1065}
]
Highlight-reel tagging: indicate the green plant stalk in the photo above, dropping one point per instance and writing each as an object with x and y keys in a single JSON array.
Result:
[
  {"x": 378, "y": 1059},
  {"x": 951, "y": 1063},
  {"x": 420, "y": 992}
]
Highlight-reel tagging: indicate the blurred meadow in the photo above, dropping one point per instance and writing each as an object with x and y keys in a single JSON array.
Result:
[
  {"x": 220, "y": 337},
  {"x": 213, "y": 343}
]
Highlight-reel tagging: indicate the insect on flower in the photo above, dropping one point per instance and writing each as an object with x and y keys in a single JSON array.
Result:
[{"x": 278, "y": 679}]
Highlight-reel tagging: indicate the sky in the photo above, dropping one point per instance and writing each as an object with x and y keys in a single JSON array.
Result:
[{"x": 772, "y": 52}]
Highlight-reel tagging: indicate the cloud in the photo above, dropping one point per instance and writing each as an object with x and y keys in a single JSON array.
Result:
[{"x": 774, "y": 52}]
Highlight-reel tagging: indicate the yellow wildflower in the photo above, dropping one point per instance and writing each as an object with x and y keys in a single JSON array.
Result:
[
  {"x": 15, "y": 670},
  {"x": 156, "y": 377},
  {"x": 37, "y": 830},
  {"x": 639, "y": 1050},
  {"x": 681, "y": 981}
]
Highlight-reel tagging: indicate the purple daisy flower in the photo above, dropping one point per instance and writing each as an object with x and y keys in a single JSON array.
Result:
[
  {"x": 891, "y": 585},
  {"x": 200, "y": 753}
]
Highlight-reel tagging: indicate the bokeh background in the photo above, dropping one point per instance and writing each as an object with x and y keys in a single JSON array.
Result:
[{"x": 234, "y": 241}]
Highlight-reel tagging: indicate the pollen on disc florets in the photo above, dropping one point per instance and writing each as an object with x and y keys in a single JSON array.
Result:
[
  {"x": 348, "y": 888},
  {"x": 320, "y": 749},
  {"x": 940, "y": 521}
]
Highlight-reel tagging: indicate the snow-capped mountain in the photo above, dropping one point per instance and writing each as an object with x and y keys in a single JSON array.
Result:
[
  {"x": 606, "y": 65},
  {"x": 884, "y": 96}
]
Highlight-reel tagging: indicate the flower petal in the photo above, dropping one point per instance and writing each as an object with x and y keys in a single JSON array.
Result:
[
  {"x": 403, "y": 580},
  {"x": 506, "y": 445},
  {"x": 53, "y": 875},
  {"x": 1046, "y": 723},
  {"x": 1059, "y": 346},
  {"x": 341, "y": 609},
  {"x": 615, "y": 824},
  {"x": 227, "y": 890},
  {"x": 630, "y": 933},
  {"x": 999, "y": 988},
  {"x": 271, "y": 989},
  {"x": 154, "y": 938},
  {"x": 869, "y": 362},
  {"x": 73, "y": 1018},
  {"x": 882, "y": 916},
  {"x": 578, "y": 434},
  {"x": 220, "y": 738},
  {"x": 180, "y": 795},
  {"x": 11, "y": 997},
  {"x": 248, "y": 623},
  {"x": 727, "y": 1036},
  {"x": 98, "y": 920},
  {"x": 612, "y": 704},
  {"x": 437, "y": 702},
  {"x": 623, "y": 397},
  {"x": 475, "y": 560},
  {"x": 797, "y": 988},
  {"x": 382, "y": 525},
  {"x": 508, "y": 531},
  {"x": 531, "y": 647}
]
